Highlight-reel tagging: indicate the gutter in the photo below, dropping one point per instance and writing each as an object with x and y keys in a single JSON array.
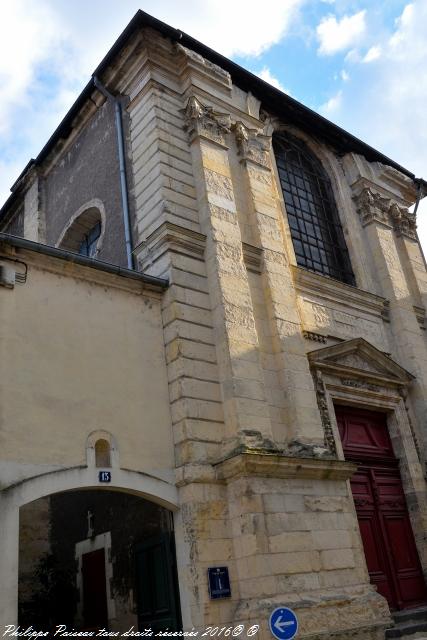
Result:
[
  {"x": 75, "y": 258},
  {"x": 421, "y": 193}
]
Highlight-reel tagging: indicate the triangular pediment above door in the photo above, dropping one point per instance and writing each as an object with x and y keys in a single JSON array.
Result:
[{"x": 359, "y": 358}]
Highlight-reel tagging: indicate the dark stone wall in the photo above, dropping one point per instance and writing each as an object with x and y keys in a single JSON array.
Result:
[
  {"x": 129, "y": 518},
  {"x": 89, "y": 169},
  {"x": 49, "y": 596},
  {"x": 15, "y": 224}
]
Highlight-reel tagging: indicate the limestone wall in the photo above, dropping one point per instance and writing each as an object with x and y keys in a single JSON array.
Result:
[{"x": 239, "y": 320}]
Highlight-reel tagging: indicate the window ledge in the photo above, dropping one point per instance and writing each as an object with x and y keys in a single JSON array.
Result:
[{"x": 322, "y": 286}]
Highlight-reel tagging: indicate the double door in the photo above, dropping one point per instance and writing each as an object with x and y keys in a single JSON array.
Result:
[{"x": 385, "y": 528}]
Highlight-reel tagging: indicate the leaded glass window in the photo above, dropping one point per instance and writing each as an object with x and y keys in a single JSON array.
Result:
[
  {"x": 89, "y": 243},
  {"x": 315, "y": 226}
]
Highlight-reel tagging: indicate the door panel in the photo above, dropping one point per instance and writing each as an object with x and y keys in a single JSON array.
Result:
[
  {"x": 388, "y": 540},
  {"x": 370, "y": 529},
  {"x": 95, "y": 613},
  {"x": 158, "y": 606}
]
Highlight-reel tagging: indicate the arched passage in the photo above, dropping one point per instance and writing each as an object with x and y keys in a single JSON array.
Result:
[{"x": 67, "y": 492}]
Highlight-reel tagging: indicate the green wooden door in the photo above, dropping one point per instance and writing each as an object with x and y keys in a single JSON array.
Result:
[{"x": 157, "y": 593}]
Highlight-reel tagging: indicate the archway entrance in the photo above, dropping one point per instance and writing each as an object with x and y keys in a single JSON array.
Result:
[
  {"x": 94, "y": 559},
  {"x": 387, "y": 536}
]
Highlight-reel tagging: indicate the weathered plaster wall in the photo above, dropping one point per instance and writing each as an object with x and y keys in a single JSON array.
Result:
[{"x": 81, "y": 351}]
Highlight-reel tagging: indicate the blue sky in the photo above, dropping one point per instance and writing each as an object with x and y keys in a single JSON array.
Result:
[{"x": 361, "y": 64}]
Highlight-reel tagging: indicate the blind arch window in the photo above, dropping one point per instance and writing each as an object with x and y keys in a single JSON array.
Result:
[{"x": 315, "y": 226}]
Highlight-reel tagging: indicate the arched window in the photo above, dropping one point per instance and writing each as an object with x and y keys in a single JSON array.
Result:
[
  {"x": 102, "y": 453},
  {"x": 89, "y": 242},
  {"x": 83, "y": 233},
  {"x": 316, "y": 230}
]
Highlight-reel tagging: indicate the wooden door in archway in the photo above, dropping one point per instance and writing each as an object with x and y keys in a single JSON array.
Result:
[{"x": 386, "y": 531}]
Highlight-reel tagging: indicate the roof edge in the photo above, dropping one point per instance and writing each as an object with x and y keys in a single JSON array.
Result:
[
  {"x": 271, "y": 97},
  {"x": 54, "y": 252}
]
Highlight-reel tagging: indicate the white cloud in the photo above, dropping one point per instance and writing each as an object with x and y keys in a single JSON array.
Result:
[
  {"x": 332, "y": 105},
  {"x": 373, "y": 54},
  {"x": 28, "y": 38},
  {"x": 49, "y": 48},
  {"x": 265, "y": 74},
  {"x": 344, "y": 75},
  {"x": 337, "y": 35},
  {"x": 385, "y": 102},
  {"x": 353, "y": 56}
]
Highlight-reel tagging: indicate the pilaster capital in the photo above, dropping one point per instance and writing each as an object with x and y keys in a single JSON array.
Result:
[
  {"x": 404, "y": 221},
  {"x": 203, "y": 121},
  {"x": 373, "y": 207},
  {"x": 252, "y": 145}
]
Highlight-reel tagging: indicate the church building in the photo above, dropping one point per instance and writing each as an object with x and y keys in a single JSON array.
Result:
[{"x": 213, "y": 363}]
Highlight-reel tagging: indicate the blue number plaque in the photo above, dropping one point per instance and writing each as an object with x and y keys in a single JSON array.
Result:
[{"x": 104, "y": 476}]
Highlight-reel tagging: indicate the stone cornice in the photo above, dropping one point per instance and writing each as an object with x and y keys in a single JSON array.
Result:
[
  {"x": 196, "y": 65},
  {"x": 252, "y": 257},
  {"x": 314, "y": 337},
  {"x": 95, "y": 272},
  {"x": 373, "y": 380},
  {"x": 323, "y": 287},
  {"x": 420, "y": 314},
  {"x": 170, "y": 237},
  {"x": 357, "y": 359},
  {"x": 273, "y": 465}
]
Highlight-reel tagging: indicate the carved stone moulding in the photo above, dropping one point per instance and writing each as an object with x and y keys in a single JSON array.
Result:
[
  {"x": 170, "y": 237},
  {"x": 315, "y": 337},
  {"x": 373, "y": 207},
  {"x": 252, "y": 145},
  {"x": 338, "y": 293},
  {"x": 420, "y": 314},
  {"x": 325, "y": 417},
  {"x": 205, "y": 122},
  {"x": 252, "y": 257},
  {"x": 274, "y": 465},
  {"x": 194, "y": 64},
  {"x": 354, "y": 370}
]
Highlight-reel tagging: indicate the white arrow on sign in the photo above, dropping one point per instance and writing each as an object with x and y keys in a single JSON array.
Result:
[{"x": 282, "y": 625}]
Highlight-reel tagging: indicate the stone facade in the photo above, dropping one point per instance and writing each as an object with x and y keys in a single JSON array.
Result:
[{"x": 256, "y": 350}]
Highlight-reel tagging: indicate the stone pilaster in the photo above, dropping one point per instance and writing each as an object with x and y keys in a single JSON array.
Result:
[
  {"x": 34, "y": 226},
  {"x": 245, "y": 407},
  {"x": 300, "y": 413},
  {"x": 387, "y": 224}
]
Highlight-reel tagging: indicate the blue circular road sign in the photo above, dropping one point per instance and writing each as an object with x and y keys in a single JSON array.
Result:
[{"x": 283, "y": 623}]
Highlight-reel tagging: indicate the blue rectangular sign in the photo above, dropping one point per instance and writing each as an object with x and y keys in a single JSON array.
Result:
[{"x": 219, "y": 582}]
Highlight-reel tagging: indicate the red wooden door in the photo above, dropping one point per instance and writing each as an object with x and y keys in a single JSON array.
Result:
[
  {"x": 387, "y": 536},
  {"x": 95, "y": 612}
]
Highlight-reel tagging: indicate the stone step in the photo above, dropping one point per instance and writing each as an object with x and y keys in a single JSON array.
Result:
[
  {"x": 411, "y": 624},
  {"x": 420, "y": 613}
]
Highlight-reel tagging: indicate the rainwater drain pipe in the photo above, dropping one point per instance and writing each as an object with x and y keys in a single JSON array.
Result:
[{"x": 122, "y": 165}]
